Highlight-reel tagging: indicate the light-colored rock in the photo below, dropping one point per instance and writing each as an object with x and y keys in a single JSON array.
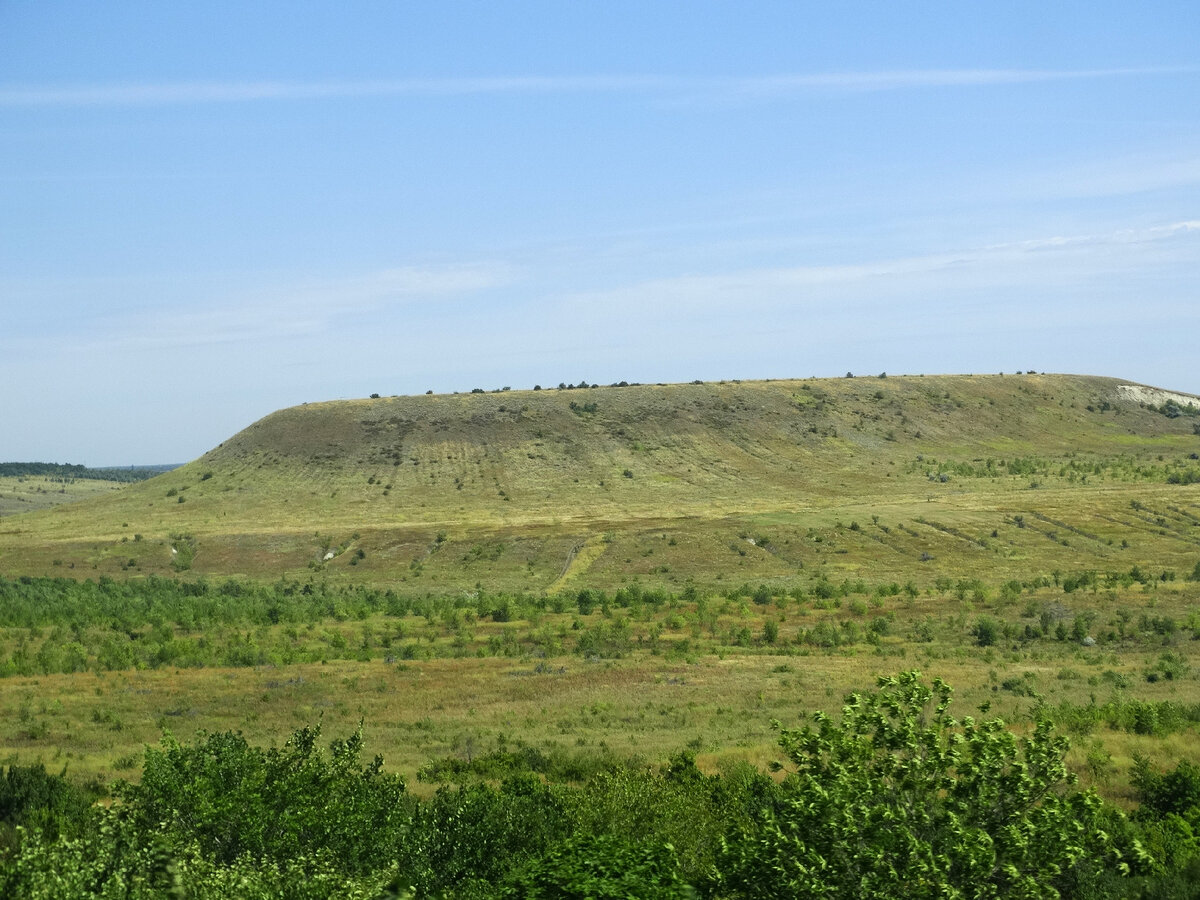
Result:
[{"x": 1140, "y": 393}]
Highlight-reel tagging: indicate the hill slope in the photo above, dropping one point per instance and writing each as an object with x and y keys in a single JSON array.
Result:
[{"x": 561, "y": 468}]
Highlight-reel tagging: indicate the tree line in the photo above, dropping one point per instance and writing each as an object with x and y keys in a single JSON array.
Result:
[{"x": 67, "y": 471}]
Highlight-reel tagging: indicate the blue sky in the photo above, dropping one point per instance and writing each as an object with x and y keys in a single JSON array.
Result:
[{"x": 210, "y": 211}]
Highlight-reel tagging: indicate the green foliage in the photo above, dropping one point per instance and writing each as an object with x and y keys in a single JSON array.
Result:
[
  {"x": 183, "y": 550},
  {"x": 895, "y": 799},
  {"x": 1169, "y": 818},
  {"x": 601, "y": 867},
  {"x": 677, "y": 805},
  {"x": 901, "y": 799},
  {"x": 235, "y": 800},
  {"x": 1173, "y": 410},
  {"x": 467, "y": 839},
  {"x": 604, "y": 640},
  {"x": 1176, "y": 792},
  {"x": 986, "y": 631},
  {"x": 556, "y": 765},
  {"x": 32, "y": 798},
  {"x": 1155, "y": 718},
  {"x": 770, "y": 631},
  {"x": 113, "y": 862}
]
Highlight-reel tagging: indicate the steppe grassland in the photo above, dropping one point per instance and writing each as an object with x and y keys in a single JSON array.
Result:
[
  {"x": 27, "y": 493},
  {"x": 786, "y": 484},
  {"x": 720, "y": 709},
  {"x": 995, "y": 532},
  {"x": 716, "y": 699}
]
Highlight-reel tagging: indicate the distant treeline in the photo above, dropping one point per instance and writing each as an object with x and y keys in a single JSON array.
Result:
[{"x": 66, "y": 470}]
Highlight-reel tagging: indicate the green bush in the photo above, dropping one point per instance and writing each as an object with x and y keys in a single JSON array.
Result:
[
  {"x": 466, "y": 840},
  {"x": 235, "y": 800},
  {"x": 986, "y": 631},
  {"x": 896, "y": 798},
  {"x": 601, "y": 867},
  {"x": 899, "y": 799},
  {"x": 32, "y": 798},
  {"x": 1176, "y": 792}
]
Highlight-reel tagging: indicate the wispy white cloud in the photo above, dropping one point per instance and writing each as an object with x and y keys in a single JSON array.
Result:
[
  {"x": 1121, "y": 236},
  {"x": 1059, "y": 258},
  {"x": 1122, "y": 176},
  {"x": 207, "y": 92},
  {"x": 226, "y": 313},
  {"x": 317, "y": 307},
  {"x": 901, "y": 79}
]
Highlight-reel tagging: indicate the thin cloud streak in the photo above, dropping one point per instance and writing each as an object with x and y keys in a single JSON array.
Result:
[
  {"x": 919, "y": 78},
  {"x": 320, "y": 307},
  {"x": 1123, "y": 236},
  {"x": 215, "y": 92},
  {"x": 988, "y": 265},
  {"x": 293, "y": 311}
]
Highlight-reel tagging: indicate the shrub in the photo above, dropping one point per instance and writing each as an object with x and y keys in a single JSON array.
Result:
[
  {"x": 1175, "y": 792},
  {"x": 986, "y": 632},
  {"x": 33, "y": 798},
  {"x": 899, "y": 799},
  {"x": 471, "y": 837},
  {"x": 236, "y": 800},
  {"x": 603, "y": 867}
]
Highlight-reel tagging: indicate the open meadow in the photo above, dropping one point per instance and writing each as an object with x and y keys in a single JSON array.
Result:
[
  {"x": 26, "y": 493},
  {"x": 633, "y": 569},
  {"x": 573, "y": 581}
]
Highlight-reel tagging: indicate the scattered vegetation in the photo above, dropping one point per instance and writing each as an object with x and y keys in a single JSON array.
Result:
[
  {"x": 636, "y": 582},
  {"x": 894, "y": 794}
]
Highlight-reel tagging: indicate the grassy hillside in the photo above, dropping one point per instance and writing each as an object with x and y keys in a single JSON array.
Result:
[
  {"x": 424, "y": 563},
  {"x": 537, "y": 489}
]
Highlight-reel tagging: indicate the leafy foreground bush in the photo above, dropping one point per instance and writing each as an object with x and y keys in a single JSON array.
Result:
[
  {"x": 901, "y": 799},
  {"x": 895, "y": 799},
  {"x": 601, "y": 868},
  {"x": 31, "y": 798},
  {"x": 233, "y": 800}
]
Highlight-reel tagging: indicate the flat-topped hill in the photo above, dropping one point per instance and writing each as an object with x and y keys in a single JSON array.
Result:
[{"x": 297, "y": 484}]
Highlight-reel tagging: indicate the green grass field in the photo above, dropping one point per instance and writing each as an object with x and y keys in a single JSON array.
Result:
[{"x": 796, "y": 538}]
